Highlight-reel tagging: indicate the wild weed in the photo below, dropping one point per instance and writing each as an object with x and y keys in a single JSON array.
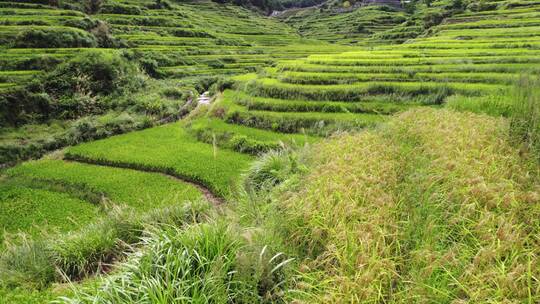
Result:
[{"x": 525, "y": 118}]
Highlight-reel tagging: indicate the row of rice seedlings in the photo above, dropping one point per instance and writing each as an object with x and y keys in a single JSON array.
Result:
[
  {"x": 244, "y": 139},
  {"x": 300, "y": 66},
  {"x": 406, "y": 53},
  {"x": 483, "y": 24},
  {"x": 429, "y": 61},
  {"x": 168, "y": 149},
  {"x": 317, "y": 123},
  {"x": 381, "y": 104},
  {"x": 349, "y": 78},
  {"x": 139, "y": 190},
  {"x": 267, "y": 87}
]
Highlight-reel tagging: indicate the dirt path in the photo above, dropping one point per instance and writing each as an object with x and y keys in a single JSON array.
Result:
[{"x": 204, "y": 99}]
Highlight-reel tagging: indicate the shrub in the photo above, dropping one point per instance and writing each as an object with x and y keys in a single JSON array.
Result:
[
  {"x": 103, "y": 36},
  {"x": 122, "y": 9},
  {"x": 54, "y": 38},
  {"x": 94, "y": 73},
  {"x": 160, "y": 4},
  {"x": 221, "y": 85},
  {"x": 271, "y": 169},
  {"x": 84, "y": 23},
  {"x": 93, "y": 6}
]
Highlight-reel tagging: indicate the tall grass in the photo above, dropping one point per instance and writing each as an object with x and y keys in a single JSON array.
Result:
[
  {"x": 435, "y": 207},
  {"x": 205, "y": 263},
  {"x": 525, "y": 118},
  {"x": 520, "y": 104},
  {"x": 37, "y": 263}
]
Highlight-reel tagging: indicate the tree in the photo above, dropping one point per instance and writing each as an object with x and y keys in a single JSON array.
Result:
[{"x": 93, "y": 6}]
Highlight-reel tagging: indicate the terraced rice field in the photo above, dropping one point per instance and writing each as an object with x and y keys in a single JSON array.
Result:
[
  {"x": 63, "y": 195},
  {"x": 300, "y": 100},
  {"x": 342, "y": 25},
  {"x": 358, "y": 88},
  {"x": 289, "y": 91},
  {"x": 199, "y": 38},
  {"x": 471, "y": 54}
]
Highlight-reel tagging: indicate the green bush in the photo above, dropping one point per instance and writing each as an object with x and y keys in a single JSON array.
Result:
[
  {"x": 54, "y": 38},
  {"x": 73, "y": 89},
  {"x": 122, "y": 9},
  {"x": 272, "y": 169},
  {"x": 85, "y": 23},
  {"x": 95, "y": 73}
]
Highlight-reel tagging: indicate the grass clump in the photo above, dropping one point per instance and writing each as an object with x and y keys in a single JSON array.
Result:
[
  {"x": 525, "y": 118},
  {"x": 204, "y": 263},
  {"x": 37, "y": 263}
]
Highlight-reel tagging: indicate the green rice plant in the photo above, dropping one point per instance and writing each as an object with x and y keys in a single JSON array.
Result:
[
  {"x": 167, "y": 149},
  {"x": 29, "y": 296},
  {"x": 142, "y": 191},
  {"x": 495, "y": 105},
  {"x": 389, "y": 104},
  {"x": 295, "y": 122},
  {"x": 33, "y": 210},
  {"x": 272, "y": 88},
  {"x": 243, "y": 139}
]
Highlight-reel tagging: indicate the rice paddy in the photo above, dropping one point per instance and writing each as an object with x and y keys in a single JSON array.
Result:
[{"x": 446, "y": 203}]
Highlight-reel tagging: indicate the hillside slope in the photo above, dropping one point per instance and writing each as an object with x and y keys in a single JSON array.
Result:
[
  {"x": 416, "y": 203},
  {"x": 156, "y": 56},
  {"x": 337, "y": 24}
]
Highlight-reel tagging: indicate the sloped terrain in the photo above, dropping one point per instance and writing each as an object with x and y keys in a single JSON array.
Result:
[
  {"x": 191, "y": 44},
  {"x": 342, "y": 25},
  {"x": 414, "y": 203},
  {"x": 355, "y": 89}
]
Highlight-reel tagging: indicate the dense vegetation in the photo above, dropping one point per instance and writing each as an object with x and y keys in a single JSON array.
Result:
[
  {"x": 398, "y": 164},
  {"x": 79, "y": 72}
]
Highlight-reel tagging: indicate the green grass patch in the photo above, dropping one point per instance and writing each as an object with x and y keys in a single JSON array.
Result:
[
  {"x": 168, "y": 149},
  {"x": 33, "y": 210}
]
